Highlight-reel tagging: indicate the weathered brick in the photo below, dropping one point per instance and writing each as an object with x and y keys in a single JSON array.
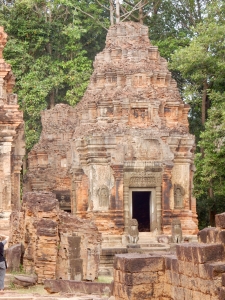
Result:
[
  {"x": 134, "y": 262},
  {"x": 197, "y": 295},
  {"x": 223, "y": 279},
  {"x": 183, "y": 280},
  {"x": 179, "y": 293},
  {"x": 202, "y": 271},
  {"x": 143, "y": 291},
  {"x": 221, "y": 236},
  {"x": 168, "y": 277},
  {"x": 207, "y": 252},
  {"x": 184, "y": 252},
  {"x": 205, "y": 286},
  {"x": 222, "y": 293},
  {"x": 158, "y": 290},
  {"x": 220, "y": 220},
  {"x": 140, "y": 278},
  {"x": 167, "y": 289},
  {"x": 188, "y": 268},
  {"x": 174, "y": 265},
  {"x": 202, "y": 236},
  {"x": 168, "y": 261},
  {"x": 215, "y": 269},
  {"x": 175, "y": 279},
  {"x": 212, "y": 234},
  {"x": 208, "y": 235},
  {"x": 188, "y": 294}
]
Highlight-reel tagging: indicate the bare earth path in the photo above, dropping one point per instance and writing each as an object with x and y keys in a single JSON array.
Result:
[{"x": 39, "y": 293}]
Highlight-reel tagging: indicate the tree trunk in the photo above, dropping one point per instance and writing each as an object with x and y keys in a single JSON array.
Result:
[
  {"x": 204, "y": 96},
  {"x": 111, "y": 12},
  {"x": 117, "y": 11},
  {"x": 141, "y": 14},
  {"x": 52, "y": 98}
]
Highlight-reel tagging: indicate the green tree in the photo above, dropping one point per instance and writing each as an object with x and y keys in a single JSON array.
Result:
[
  {"x": 46, "y": 55},
  {"x": 202, "y": 66},
  {"x": 210, "y": 175}
]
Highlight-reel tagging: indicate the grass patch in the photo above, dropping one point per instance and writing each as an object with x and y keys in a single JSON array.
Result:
[
  {"x": 104, "y": 279},
  {"x": 36, "y": 289}
]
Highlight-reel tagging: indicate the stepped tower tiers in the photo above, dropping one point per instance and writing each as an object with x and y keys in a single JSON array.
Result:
[
  {"x": 11, "y": 141},
  {"x": 125, "y": 150}
]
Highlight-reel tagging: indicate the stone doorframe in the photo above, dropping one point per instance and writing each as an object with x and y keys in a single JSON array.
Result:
[
  {"x": 152, "y": 204},
  {"x": 139, "y": 181}
]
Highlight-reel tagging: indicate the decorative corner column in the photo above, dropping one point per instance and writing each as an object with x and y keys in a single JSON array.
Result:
[
  {"x": 166, "y": 190},
  {"x": 16, "y": 170},
  {"x": 118, "y": 205}
]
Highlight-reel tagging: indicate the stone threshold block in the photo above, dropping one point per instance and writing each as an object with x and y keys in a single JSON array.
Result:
[
  {"x": 70, "y": 286},
  {"x": 133, "y": 262},
  {"x": 200, "y": 253}
]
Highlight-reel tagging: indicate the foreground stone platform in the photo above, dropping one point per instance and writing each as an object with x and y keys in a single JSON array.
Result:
[
  {"x": 18, "y": 296},
  {"x": 196, "y": 270},
  {"x": 56, "y": 286}
]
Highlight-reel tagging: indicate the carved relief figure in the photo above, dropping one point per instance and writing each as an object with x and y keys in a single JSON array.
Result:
[
  {"x": 178, "y": 195},
  {"x": 103, "y": 196},
  {"x": 133, "y": 233},
  {"x": 176, "y": 231}
]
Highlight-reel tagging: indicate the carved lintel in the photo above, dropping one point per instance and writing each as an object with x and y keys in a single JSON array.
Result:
[{"x": 147, "y": 181}]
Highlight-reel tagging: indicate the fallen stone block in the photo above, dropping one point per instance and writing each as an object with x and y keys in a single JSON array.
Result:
[
  {"x": 215, "y": 269},
  {"x": 220, "y": 220},
  {"x": 68, "y": 286},
  {"x": 25, "y": 280},
  {"x": 221, "y": 237},
  {"x": 207, "y": 252},
  {"x": 13, "y": 257},
  {"x": 200, "y": 253},
  {"x": 134, "y": 262},
  {"x": 208, "y": 235}
]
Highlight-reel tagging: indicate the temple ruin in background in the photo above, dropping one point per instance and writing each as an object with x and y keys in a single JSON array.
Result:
[
  {"x": 12, "y": 146},
  {"x": 125, "y": 150}
]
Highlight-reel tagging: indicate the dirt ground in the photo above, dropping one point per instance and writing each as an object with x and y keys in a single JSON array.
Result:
[{"x": 38, "y": 292}]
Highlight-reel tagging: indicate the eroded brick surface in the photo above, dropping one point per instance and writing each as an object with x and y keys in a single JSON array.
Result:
[
  {"x": 11, "y": 141},
  {"x": 196, "y": 272},
  {"x": 56, "y": 245},
  {"x": 130, "y": 130}
]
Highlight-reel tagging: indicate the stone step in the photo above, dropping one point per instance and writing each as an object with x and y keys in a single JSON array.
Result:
[
  {"x": 21, "y": 297},
  {"x": 147, "y": 238},
  {"x": 24, "y": 297}
]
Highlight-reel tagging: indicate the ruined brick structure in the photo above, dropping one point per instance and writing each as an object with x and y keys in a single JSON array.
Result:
[
  {"x": 56, "y": 244},
  {"x": 125, "y": 150},
  {"x": 11, "y": 141},
  {"x": 196, "y": 271}
]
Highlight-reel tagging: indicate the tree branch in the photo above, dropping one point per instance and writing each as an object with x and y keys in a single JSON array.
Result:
[
  {"x": 97, "y": 20},
  {"x": 135, "y": 7},
  {"x": 102, "y": 5},
  {"x": 127, "y": 2}
]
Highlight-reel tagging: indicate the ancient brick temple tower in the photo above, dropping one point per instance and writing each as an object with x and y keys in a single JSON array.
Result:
[
  {"x": 11, "y": 141},
  {"x": 125, "y": 150}
]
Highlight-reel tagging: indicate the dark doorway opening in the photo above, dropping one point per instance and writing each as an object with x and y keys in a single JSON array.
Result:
[{"x": 141, "y": 210}]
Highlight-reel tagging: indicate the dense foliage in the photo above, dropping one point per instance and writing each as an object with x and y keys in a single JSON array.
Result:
[
  {"x": 47, "y": 57},
  {"x": 52, "y": 44},
  {"x": 202, "y": 65}
]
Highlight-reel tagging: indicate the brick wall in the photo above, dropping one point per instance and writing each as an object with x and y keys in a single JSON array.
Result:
[{"x": 197, "y": 271}]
